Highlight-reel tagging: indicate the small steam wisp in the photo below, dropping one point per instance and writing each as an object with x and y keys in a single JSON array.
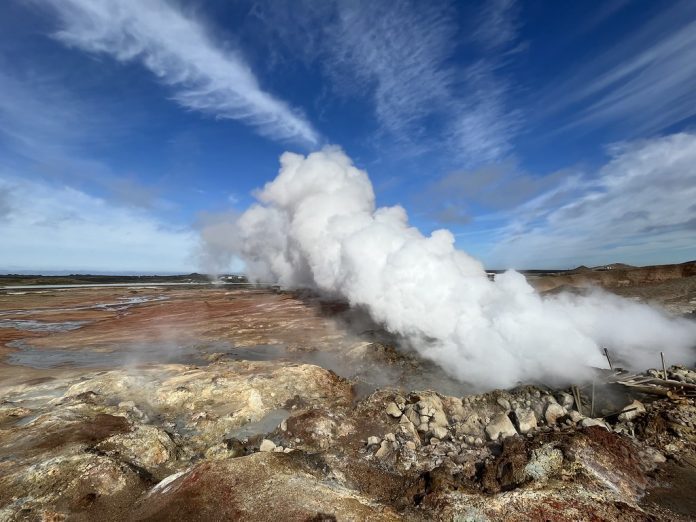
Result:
[{"x": 316, "y": 226}]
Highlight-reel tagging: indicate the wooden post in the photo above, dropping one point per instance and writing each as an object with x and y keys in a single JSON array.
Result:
[
  {"x": 664, "y": 368},
  {"x": 606, "y": 353},
  {"x": 592, "y": 406},
  {"x": 576, "y": 392}
]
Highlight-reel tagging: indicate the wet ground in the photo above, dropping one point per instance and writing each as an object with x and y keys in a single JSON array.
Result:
[{"x": 110, "y": 328}]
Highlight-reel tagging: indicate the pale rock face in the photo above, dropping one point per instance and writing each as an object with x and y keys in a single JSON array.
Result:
[
  {"x": 146, "y": 446},
  {"x": 412, "y": 415},
  {"x": 472, "y": 425},
  {"x": 500, "y": 427},
  {"x": 553, "y": 412},
  {"x": 439, "y": 432},
  {"x": 526, "y": 420},
  {"x": 575, "y": 416},
  {"x": 503, "y": 403},
  {"x": 632, "y": 411},
  {"x": 384, "y": 450},
  {"x": 566, "y": 400},
  {"x": 408, "y": 430},
  {"x": 373, "y": 441},
  {"x": 267, "y": 445},
  {"x": 587, "y": 422},
  {"x": 544, "y": 462},
  {"x": 393, "y": 410}
]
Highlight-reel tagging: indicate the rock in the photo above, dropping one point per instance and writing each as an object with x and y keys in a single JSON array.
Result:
[
  {"x": 439, "y": 432},
  {"x": 544, "y": 462},
  {"x": 219, "y": 452},
  {"x": 575, "y": 416},
  {"x": 267, "y": 445},
  {"x": 500, "y": 427},
  {"x": 566, "y": 400},
  {"x": 503, "y": 403},
  {"x": 278, "y": 449},
  {"x": 632, "y": 411},
  {"x": 657, "y": 457},
  {"x": 472, "y": 425},
  {"x": 440, "y": 419},
  {"x": 373, "y": 441},
  {"x": 507, "y": 470},
  {"x": 430, "y": 406},
  {"x": 408, "y": 431},
  {"x": 384, "y": 450},
  {"x": 410, "y": 445},
  {"x": 553, "y": 412},
  {"x": 393, "y": 410},
  {"x": 400, "y": 402},
  {"x": 412, "y": 415},
  {"x": 587, "y": 422},
  {"x": 390, "y": 437},
  {"x": 526, "y": 420},
  {"x": 146, "y": 446}
]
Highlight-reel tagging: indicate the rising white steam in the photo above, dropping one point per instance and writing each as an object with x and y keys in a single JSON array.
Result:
[{"x": 316, "y": 226}]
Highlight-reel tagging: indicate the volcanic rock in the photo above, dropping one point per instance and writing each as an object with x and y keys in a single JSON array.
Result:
[
  {"x": 553, "y": 412},
  {"x": 587, "y": 422},
  {"x": 500, "y": 427},
  {"x": 632, "y": 411},
  {"x": 267, "y": 445},
  {"x": 393, "y": 410},
  {"x": 526, "y": 420}
]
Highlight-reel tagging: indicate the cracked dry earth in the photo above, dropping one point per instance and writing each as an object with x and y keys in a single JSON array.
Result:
[{"x": 211, "y": 404}]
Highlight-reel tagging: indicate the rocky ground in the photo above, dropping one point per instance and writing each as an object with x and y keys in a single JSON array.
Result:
[{"x": 212, "y": 404}]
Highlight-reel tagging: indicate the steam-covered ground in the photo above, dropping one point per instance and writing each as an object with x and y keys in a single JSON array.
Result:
[{"x": 253, "y": 404}]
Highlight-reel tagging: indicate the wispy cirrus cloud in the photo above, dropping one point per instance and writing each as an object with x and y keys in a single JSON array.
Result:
[
  {"x": 404, "y": 50},
  {"x": 398, "y": 51},
  {"x": 182, "y": 54},
  {"x": 639, "y": 207},
  {"x": 402, "y": 57},
  {"x": 643, "y": 85}
]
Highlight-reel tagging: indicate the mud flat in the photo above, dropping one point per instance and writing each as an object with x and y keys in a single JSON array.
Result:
[{"x": 134, "y": 403}]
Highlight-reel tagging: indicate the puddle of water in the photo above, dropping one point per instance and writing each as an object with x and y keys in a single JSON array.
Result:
[
  {"x": 268, "y": 423},
  {"x": 31, "y": 325}
]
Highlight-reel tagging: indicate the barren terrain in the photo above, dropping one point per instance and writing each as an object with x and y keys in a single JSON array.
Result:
[{"x": 211, "y": 403}]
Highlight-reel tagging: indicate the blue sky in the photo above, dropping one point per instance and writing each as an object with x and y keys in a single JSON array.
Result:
[{"x": 543, "y": 134}]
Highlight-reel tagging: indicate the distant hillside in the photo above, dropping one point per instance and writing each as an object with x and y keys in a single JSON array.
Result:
[{"x": 615, "y": 275}]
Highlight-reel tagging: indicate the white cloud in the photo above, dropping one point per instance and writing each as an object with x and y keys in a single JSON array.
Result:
[
  {"x": 49, "y": 227},
  {"x": 640, "y": 207},
  {"x": 182, "y": 54}
]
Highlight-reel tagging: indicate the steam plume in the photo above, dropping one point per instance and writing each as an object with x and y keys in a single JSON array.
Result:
[{"x": 316, "y": 226}]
